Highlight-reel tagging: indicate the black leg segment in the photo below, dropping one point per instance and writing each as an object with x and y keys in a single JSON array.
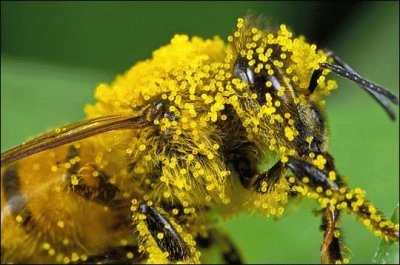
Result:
[
  {"x": 331, "y": 248},
  {"x": 170, "y": 241}
]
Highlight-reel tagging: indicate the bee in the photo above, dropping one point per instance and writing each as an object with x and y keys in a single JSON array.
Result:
[{"x": 204, "y": 127}]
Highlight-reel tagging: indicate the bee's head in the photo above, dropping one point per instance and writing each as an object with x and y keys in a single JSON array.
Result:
[{"x": 286, "y": 80}]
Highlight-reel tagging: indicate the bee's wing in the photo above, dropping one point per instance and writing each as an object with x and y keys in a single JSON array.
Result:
[{"x": 75, "y": 132}]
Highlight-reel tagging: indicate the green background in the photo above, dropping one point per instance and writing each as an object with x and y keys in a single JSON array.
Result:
[{"x": 54, "y": 54}]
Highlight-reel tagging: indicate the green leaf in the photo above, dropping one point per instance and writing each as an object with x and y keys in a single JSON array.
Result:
[{"x": 388, "y": 251}]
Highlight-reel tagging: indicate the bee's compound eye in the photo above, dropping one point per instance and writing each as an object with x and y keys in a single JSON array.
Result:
[{"x": 243, "y": 71}]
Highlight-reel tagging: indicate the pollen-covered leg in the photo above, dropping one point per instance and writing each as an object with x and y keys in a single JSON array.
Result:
[
  {"x": 163, "y": 239},
  {"x": 327, "y": 189},
  {"x": 224, "y": 245},
  {"x": 331, "y": 249}
]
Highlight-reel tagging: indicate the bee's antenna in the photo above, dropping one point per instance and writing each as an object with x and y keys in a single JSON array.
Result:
[{"x": 379, "y": 93}]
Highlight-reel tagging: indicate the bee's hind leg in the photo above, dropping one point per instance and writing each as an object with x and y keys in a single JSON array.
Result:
[
  {"x": 327, "y": 187},
  {"x": 331, "y": 249}
]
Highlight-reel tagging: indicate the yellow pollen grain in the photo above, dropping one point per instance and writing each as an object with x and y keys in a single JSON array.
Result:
[
  {"x": 305, "y": 180},
  {"x": 60, "y": 224},
  {"x": 51, "y": 252},
  {"x": 142, "y": 147},
  {"x": 284, "y": 159},
  {"x": 74, "y": 180},
  {"x": 160, "y": 236},
  {"x": 129, "y": 255},
  {"x": 123, "y": 242},
  {"x": 332, "y": 176},
  {"x": 46, "y": 246},
  {"x": 19, "y": 219},
  {"x": 74, "y": 257}
]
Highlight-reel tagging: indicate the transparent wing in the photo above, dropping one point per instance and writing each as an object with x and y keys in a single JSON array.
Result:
[{"x": 75, "y": 132}]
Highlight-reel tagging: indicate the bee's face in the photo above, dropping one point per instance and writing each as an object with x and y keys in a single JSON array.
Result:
[{"x": 284, "y": 78}]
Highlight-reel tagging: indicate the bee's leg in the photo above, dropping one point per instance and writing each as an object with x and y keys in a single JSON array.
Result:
[
  {"x": 228, "y": 250},
  {"x": 331, "y": 249},
  {"x": 333, "y": 196},
  {"x": 165, "y": 235},
  {"x": 100, "y": 189}
]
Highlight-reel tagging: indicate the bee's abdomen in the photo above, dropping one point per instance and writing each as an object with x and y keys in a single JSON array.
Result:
[{"x": 51, "y": 213}]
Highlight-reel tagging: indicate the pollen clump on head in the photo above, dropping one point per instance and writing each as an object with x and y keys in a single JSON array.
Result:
[
  {"x": 286, "y": 65},
  {"x": 281, "y": 51}
]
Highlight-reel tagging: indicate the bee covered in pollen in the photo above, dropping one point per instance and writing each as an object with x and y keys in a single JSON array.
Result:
[{"x": 203, "y": 127}]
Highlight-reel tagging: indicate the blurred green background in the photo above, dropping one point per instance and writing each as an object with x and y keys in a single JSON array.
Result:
[{"x": 54, "y": 54}]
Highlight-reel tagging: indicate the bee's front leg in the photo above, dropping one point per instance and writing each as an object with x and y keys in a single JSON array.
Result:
[
  {"x": 318, "y": 180},
  {"x": 327, "y": 187},
  {"x": 331, "y": 249}
]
